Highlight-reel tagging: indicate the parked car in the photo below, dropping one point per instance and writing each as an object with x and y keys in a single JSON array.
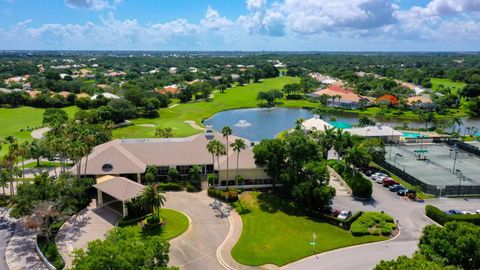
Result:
[
  {"x": 395, "y": 188},
  {"x": 378, "y": 174},
  {"x": 334, "y": 212},
  {"x": 369, "y": 172},
  {"x": 453, "y": 212},
  {"x": 402, "y": 192},
  {"x": 381, "y": 179},
  {"x": 477, "y": 211},
  {"x": 468, "y": 213},
  {"x": 389, "y": 182},
  {"x": 344, "y": 215},
  {"x": 412, "y": 194}
]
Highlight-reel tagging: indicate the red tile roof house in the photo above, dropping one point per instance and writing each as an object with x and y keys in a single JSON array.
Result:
[
  {"x": 171, "y": 89},
  {"x": 340, "y": 97}
]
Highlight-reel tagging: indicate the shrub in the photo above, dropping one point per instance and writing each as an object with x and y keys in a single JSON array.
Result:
[
  {"x": 192, "y": 187},
  {"x": 441, "y": 218},
  {"x": 224, "y": 195},
  {"x": 360, "y": 186},
  {"x": 345, "y": 224},
  {"x": 374, "y": 223},
  {"x": 170, "y": 186}
]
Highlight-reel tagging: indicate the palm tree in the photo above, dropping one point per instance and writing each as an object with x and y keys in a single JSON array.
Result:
[
  {"x": 152, "y": 200},
  {"x": 11, "y": 158},
  {"x": 238, "y": 145},
  {"x": 23, "y": 151},
  {"x": 220, "y": 150},
  {"x": 326, "y": 139},
  {"x": 357, "y": 156},
  {"x": 338, "y": 143},
  {"x": 298, "y": 123},
  {"x": 211, "y": 149},
  {"x": 227, "y": 131}
]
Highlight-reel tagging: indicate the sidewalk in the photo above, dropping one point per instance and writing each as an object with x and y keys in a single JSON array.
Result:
[
  {"x": 87, "y": 225},
  {"x": 20, "y": 253}
]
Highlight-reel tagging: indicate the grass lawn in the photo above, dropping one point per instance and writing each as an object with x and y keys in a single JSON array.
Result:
[
  {"x": 176, "y": 223},
  {"x": 43, "y": 164},
  {"x": 233, "y": 98},
  {"x": 455, "y": 86},
  {"x": 276, "y": 233},
  {"x": 13, "y": 120}
]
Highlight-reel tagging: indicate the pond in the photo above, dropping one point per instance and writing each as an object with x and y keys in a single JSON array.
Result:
[{"x": 265, "y": 123}]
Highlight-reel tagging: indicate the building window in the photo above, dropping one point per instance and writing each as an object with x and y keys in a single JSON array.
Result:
[
  {"x": 107, "y": 167},
  {"x": 163, "y": 170},
  {"x": 183, "y": 170}
]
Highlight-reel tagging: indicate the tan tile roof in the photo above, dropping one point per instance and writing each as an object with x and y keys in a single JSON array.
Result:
[
  {"x": 420, "y": 99},
  {"x": 338, "y": 90},
  {"x": 134, "y": 155},
  {"x": 246, "y": 160},
  {"x": 120, "y": 188}
]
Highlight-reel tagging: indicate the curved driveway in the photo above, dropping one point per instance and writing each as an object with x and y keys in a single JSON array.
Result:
[{"x": 209, "y": 226}]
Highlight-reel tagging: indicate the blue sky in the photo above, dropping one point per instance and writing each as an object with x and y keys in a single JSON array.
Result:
[{"x": 319, "y": 25}]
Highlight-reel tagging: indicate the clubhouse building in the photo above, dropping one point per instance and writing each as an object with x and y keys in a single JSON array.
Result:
[{"x": 129, "y": 158}]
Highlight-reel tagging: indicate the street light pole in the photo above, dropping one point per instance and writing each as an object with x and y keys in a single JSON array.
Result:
[
  {"x": 455, "y": 161},
  {"x": 460, "y": 176}
]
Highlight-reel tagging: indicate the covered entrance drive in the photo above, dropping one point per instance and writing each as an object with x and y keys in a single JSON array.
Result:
[{"x": 114, "y": 190}]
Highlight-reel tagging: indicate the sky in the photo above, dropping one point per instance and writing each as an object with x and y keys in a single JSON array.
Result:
[{"x": 243, "y": 25}]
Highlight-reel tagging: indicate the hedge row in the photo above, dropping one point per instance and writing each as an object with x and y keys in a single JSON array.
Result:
[
  {"x": 170, "y": 186},
  {"x": 374, "y": 223},
  {"x": 441, "y": 218},
  {"x": 224, "y": 195}
]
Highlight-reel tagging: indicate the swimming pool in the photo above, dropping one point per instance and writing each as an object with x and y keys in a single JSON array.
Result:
[
  {"x": 340, "y": 124},
  {"x": 411, "y": 135}
]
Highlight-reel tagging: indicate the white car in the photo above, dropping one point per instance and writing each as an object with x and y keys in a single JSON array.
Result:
[
  {"x": 344, "y": 215},
  {"x": 375, "y": 175},
  {"x": 477, "y": 211},
  {"x": 379, "y": 179},
  {"x": 468, "y": 213}
]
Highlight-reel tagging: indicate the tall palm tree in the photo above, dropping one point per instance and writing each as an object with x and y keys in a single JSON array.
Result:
[
  {"x": 211, "y": 149},
  {"x": 357, "y": 156},
  {"x": 23, "y": 151},
  {"x": 238, "y": 145},
  {"x": 338, "y": 143},
  {"x": 152, "y": 200},
  {"x": 325, "y": 139},
  {"x": 220, "y": 150},
  {"x": 11, "y": 158},
  {"x": 226, "y": 132}
]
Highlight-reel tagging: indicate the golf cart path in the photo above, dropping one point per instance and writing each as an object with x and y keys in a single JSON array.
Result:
[
  {"x": 194, "y": 125},
  {"x": 38, "y": 133}
]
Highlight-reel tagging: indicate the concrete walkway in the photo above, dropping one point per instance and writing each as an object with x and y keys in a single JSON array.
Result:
[
  {"x": 7, "y": 228},
  {"x": 194, "y": 125},
  {"x": 20, "y": 253},
  {"x": 87, "y": 225},
  {"x": 38, "y": 133}
]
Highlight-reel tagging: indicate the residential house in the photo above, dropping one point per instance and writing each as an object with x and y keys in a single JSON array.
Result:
[
  {"x": 422, "y": 101},
  {"x": 170, "y": 89},
  {"x": 340, "y": 96}
]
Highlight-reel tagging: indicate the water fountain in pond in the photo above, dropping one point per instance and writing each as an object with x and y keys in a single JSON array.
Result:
[{"x": 243, "y": 123}]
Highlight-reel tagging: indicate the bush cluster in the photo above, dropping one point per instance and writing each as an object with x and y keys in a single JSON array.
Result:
[
  {"x": 374, "y": 223},
  {"x": 170, "y": 186},
  {"x": 224, "y": 195},
  {"x": 343, "y": 223},
  {"x": 441, "y": 218}
]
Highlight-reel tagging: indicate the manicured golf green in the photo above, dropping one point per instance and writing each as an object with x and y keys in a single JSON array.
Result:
[
  {"x": 275, "y": 233},
  {"x": 455, "y": 86},
  {"x": 233, "y": 98},
  {"x": 12, "y": 121},
  {"x": 176, "y": 223}
]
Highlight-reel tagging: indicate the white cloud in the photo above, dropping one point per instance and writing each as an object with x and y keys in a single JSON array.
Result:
[
  {"x": 93, "y": 4},
  {"x": 447, "y": 7}
]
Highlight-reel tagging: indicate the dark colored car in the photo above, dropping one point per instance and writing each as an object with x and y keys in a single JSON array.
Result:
[
  {"x": 395, "y": 188},
  {"x": 402, "y": 192},
  {"x": 453, "y": 212},
  {"x": 388, "y": 182},
  {"x": 412, "y": 194}
]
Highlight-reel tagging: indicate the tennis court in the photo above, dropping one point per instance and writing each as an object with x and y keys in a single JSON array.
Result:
[{"x": 434, "y": 163}]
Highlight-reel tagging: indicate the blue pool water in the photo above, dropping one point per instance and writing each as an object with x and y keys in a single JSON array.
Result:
[
  {"x": 341, "y": 124},
  {"x": 411, "y": 135}
]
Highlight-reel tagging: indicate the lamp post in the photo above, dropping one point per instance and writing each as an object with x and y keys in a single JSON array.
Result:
[
  {"x": 460, "y": 177},
  {"x": 454, "y": 161}
]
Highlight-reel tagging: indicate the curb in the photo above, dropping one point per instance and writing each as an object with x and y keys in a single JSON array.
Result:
[
  {"x": 219, "y": 249},
  {"x": 347, "y": 248}
]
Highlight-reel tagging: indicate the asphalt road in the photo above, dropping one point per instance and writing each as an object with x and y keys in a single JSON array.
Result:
[
  {"x": 7, "y": 229},
  {"x": 411, "y": 219},
  {"x": 196, "y": 249}
]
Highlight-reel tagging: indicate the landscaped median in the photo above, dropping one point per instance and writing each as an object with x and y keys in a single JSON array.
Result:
[
  {"x": 277, "y": 232},
  {"x": 441, "y": 218}
]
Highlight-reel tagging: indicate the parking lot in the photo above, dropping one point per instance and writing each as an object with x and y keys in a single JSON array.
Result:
[{"x": 436, "y": 164}]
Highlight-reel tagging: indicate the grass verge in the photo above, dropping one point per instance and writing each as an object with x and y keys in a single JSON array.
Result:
[{"x": 274, "y": 232}]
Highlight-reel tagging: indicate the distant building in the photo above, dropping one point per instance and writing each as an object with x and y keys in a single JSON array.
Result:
[
  {"x": 106, "y": 95},
  {"x": 115, "y": 74},
  {"x": 173, "y": 70},
  {"x": 170, "y": 89},
  {"x": 339, "y": 96},
  {"x": 420, "y": 102}
]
